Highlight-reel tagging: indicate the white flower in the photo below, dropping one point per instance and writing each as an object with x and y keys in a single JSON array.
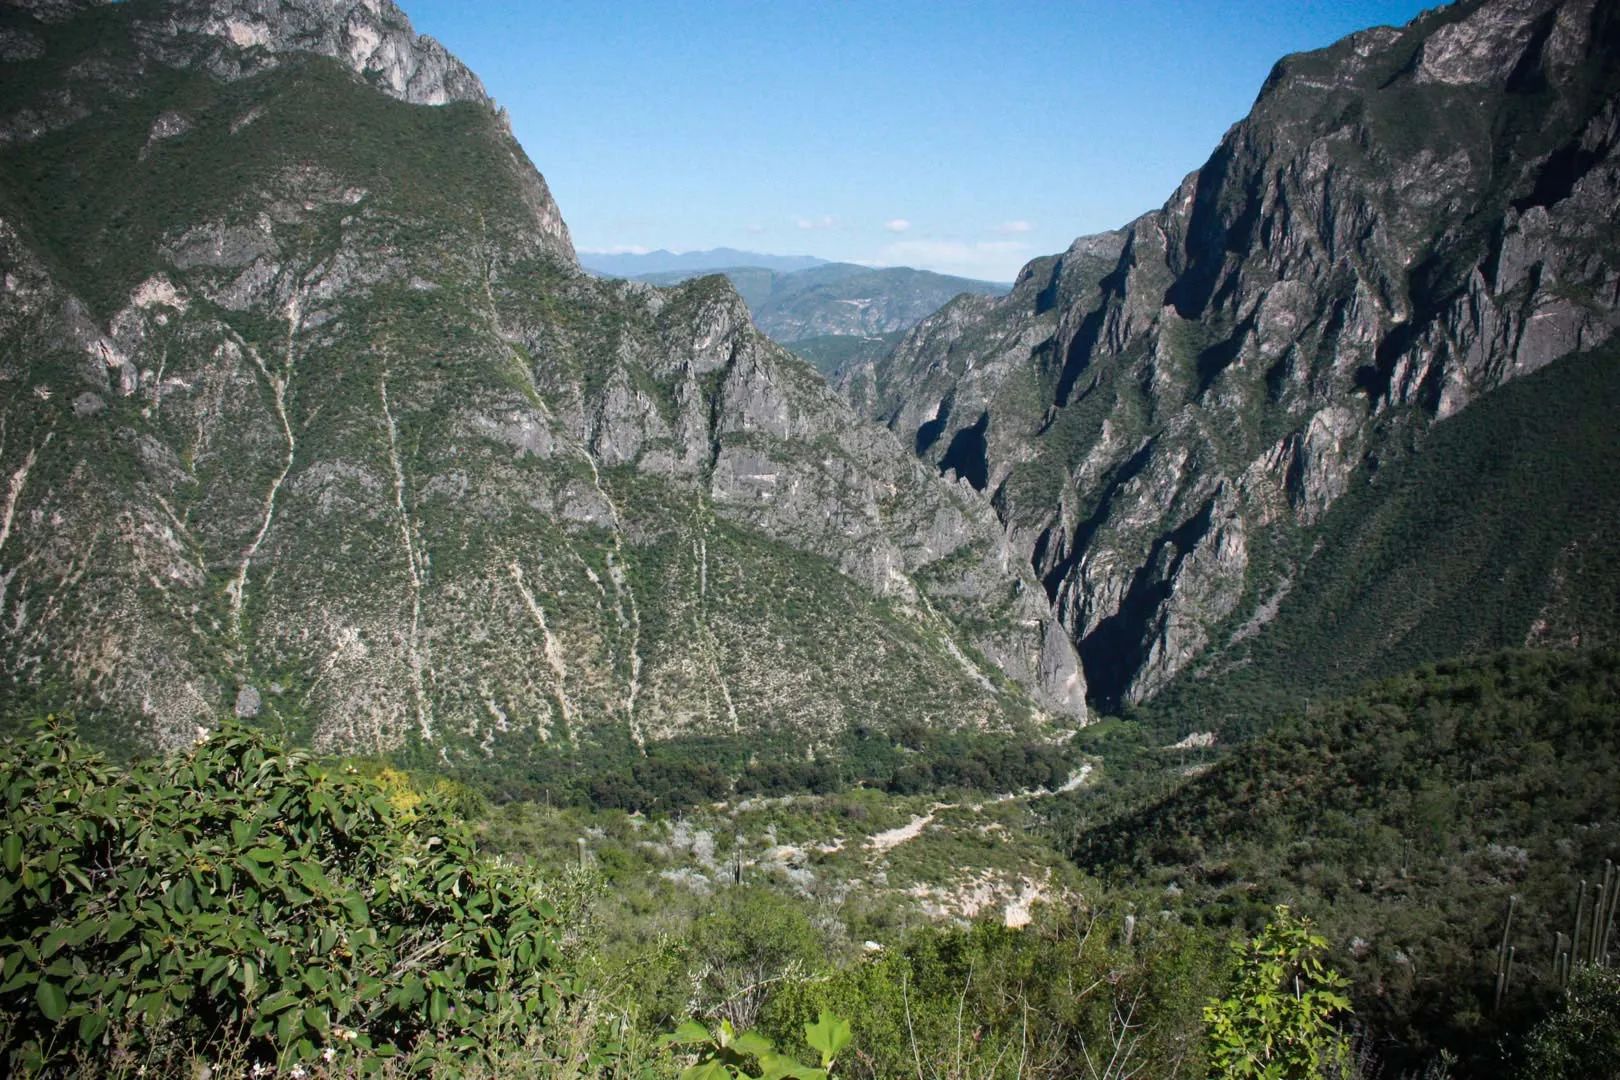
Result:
[
  {"x": 296, "y": 1072},
  {"x": 328, "y": 1054}
]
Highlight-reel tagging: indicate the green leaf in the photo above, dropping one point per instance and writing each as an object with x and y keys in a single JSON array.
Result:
[
  {"x": 707, "y": 1070},
  {"x": 52, "y": 1001},
  {"x": 12, "y": 847},
  {"x": 751, "y": 1043},
  {"x": 91, "y": 1025},
  {"x": 274, "y": 1003},
  {"x": 780, "y": 1066},
  {"x": 829, "y": 1034},
  {"x": 311, "y": 876},
  {"x": 687, "y": 1034},
  {"x": 356, "y": 909}
]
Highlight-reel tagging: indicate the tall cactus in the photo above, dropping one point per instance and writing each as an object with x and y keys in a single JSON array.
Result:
[
  {"x": 1607, "y": 933},
  {"x": 1503, "y": 955}
]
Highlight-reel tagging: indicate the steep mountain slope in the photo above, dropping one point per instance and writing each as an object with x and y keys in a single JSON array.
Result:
[
  {"x": 840, "y": 299},
  {"x": 1501, "y": 525},
  {"x": 1162, "y": 416},
  {"x": 306, "y": 408}
]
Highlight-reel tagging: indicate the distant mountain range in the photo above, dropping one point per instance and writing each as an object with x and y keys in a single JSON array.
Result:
[
  {"x": 840, "y": 312},
  {"x": 832, "y": 314},
  {"x": 630, "y": 264}
]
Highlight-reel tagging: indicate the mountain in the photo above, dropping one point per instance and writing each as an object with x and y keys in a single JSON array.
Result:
[
  {"x": 839, "y": 300},
  {"x": 629, "y": 264},
  {"x": 1166, "y": 418},
  {"x": 307, "y": 410}
]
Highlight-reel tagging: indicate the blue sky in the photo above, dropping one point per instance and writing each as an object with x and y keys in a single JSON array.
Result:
[{"x": 960, "y": 137}]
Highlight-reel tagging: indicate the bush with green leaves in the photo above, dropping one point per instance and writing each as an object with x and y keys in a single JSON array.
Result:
[
  {"x": 1580, "y": 1038},
  {"x": 726, "y": 1054},
  {"x": 1277, "y": 1022},
  {"x": 237, "y": 894}
]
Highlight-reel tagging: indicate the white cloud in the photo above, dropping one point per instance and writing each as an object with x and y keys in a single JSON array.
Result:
[
  {"x": 1013, "y": 228},
  {"x": 899, "y": 224},
  {"x": 753, "y": 229},
  {"x": 617, "y": 249},
  {"x": 825, "y": 221}
]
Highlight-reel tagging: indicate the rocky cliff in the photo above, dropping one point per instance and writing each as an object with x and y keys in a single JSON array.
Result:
[
  {"x": 307, "y": 411},
  {"x": 1162, "y": 416}
]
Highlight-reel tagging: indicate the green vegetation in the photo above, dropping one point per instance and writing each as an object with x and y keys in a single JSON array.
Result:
[
  {"x": 833, "y": 353},
  {"x": 1080, "y": 991},
  {"x": 1401, "y": 820},
  {"x": 1580, "y": 1039},
  {"x": 1277, "y": 1023},
  {"x": 237, "y": 895},
  {"x": 245, "y": 909},
  {"x": 725, "y": 1054},
  {"x": 683, "y": 772},
  {"x": 1407, "y": 820}
]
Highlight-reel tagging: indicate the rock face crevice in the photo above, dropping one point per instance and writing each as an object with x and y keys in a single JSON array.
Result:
[{"x": 1404, "y": 222}]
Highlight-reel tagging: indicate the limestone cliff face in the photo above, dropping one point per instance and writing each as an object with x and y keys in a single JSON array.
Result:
[
  {"x": 234, "y": 39},
  {"x": 1405, "y": 221},
  {"x": 306, "y": 411}
]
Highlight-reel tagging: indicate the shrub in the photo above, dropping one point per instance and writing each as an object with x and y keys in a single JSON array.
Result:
[
  {"x": 1579, "y": 1040},
  {"x": 1277, "y": 1022},
  {"x": 241, "y": 895},
  {"x": 726, "y": 1054}
]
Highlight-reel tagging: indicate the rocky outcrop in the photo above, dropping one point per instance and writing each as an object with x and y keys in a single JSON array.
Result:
[
  {"x": 1405, "y": 221},
  {"x": 235, "y": 39}
]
